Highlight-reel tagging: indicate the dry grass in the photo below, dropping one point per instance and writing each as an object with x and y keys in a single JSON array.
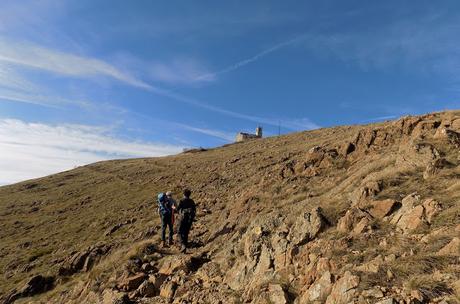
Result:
[
  {"x": 42, "y": 221},
  {"x": 429, "y": 287}
]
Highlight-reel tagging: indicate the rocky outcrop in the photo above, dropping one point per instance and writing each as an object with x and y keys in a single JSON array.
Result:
[
  {"x": 318, "y": 291},
  {"x": 344, "y": 290},
  {"x": 413, "y": 213},
  {"x": 355, "y": 221},
  {"x": 132, "y": 282},
  {"x": 35, "y": 285},
  {"x": 83, "y": 260},
  {"x": 451, "y": 136},
  {"x": 307, "y": 226},
  {"x": 380, "y": 209},
  {"x": 414, "y": 154},
  {"x": 452, "y": 248},
  {"x": 434, "y": 167}
]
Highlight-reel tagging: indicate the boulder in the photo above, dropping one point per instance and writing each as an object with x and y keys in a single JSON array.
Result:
[
  {"x": 453, "y": 248},
  {"x": 132, "y": 282},
  {"x": 452, "y": 136},
  {"x": 344, "y": 290},
  {"x": 146, "y": 289},
  {"x": 412, "y": 220},
  {"x": 307, "y": 226},
  {"x": 413, "y": 155},
  {"x": 82, "y": 260},
  {"x": 372, "y": 293},
  {"x": 387, "y": 301},
  {"x": 147, "y": 267},
  {"x": 434, "y": 167},
  {"x": 354, "y": 220},
  {"x": 173, "y": 264},
  {"x": 456, "y": 124},
  {"x": 276, "y": 294},
  {"x": 319, "y": 290},
  {"x": 157, "y": 280},
  {"x": 168, "y": 289},
  {"x": 432, "y": 208},
  {"x": 369, "y": 190},
  {"x": 372, "y": 266},
  {"x": 362, "y": 226},
  {"x": 37, "y": 284},
  {"x": 114, "y": 297},
  {"x": 414, "y": 214},
  {"x": 380, "y": 209},
  {"x": 411, "y": 214}
]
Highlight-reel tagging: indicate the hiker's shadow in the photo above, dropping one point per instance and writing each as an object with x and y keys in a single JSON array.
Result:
[{"x": 195, "y": 244}]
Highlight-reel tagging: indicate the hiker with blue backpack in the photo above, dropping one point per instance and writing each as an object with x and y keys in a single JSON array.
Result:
[{"x": 166, "y": 206}]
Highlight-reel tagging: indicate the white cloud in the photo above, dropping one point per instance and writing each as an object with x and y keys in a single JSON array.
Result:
[
  {"x": 180, "y": 71},
  {"x": 30, "y": 150},
  {"x": 37, "y": 57}
]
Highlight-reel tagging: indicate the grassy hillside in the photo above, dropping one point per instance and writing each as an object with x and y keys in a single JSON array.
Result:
[{"x": 248, "y": 193}]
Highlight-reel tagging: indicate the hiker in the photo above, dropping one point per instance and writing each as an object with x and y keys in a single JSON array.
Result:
[
  {"x": 186, "y": 210},
  {"x": 166, "y": 212},
  {"x": 173, "y": 204}
]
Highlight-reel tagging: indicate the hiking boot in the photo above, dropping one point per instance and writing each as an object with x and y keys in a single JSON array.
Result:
[
  {"x": 183, "y": 249},
  {"x": 164, "y": 245}
]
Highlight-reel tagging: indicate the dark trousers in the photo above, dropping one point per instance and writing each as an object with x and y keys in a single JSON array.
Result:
[
  {"x": 184, "y": 229},
  {"x": 166, "y": 220}
]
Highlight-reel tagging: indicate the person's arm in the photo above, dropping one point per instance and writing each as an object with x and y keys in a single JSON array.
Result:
[{"x": 193, "y": 208}]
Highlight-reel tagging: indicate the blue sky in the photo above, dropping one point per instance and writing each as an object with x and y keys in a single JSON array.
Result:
[{"x": 82, "y": 81}]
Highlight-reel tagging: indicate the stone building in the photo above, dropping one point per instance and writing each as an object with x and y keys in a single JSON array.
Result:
[{"x": 241, "y": 136}]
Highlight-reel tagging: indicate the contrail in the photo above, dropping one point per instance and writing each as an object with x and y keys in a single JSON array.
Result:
[
  {"x": 251, "y": 59},
  {"x": 292, "y": 125}
]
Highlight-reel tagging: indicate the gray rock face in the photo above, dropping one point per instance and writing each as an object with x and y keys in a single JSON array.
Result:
[{"x": 307, "y": 227}]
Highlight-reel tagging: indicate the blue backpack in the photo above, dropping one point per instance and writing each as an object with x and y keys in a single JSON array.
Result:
[{"x": 163, "y": 207}]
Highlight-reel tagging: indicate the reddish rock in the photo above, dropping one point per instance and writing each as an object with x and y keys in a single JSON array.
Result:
[
  {"x": 432, "y": 208},
  {"x": 344, "y": 290},
  {"x": 320, "y": 290},
  {"x": 354, "y": 220},
  {"x": 276, "y": 294},
  {"x": 453, "y": 248},
  {"x": 380, "y": 209},
  {"x": 132, "y": 282},
  {"x": 168, "y": 289}
]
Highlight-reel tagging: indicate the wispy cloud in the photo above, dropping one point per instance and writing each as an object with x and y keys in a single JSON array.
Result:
[
  {"x": 37, "y": 57},
  {"x": 29, "y": 150},
  {"x": 179, "y": 71},
  {"x": 251, "y": 59},
  {"x": 225, "y": 136}
]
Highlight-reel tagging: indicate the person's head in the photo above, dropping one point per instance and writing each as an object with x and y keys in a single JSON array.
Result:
[
  {"x": 169, "y": 194},
  {"x": 187, "y": 193}
]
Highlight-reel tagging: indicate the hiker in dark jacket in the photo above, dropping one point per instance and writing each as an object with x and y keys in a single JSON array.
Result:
[
  {"x": 165, "y": 209},
  {"x": 187, "y": 211}
]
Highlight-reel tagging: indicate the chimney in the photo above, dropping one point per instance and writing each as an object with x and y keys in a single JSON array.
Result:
[{"x": 259, "y": 132}]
